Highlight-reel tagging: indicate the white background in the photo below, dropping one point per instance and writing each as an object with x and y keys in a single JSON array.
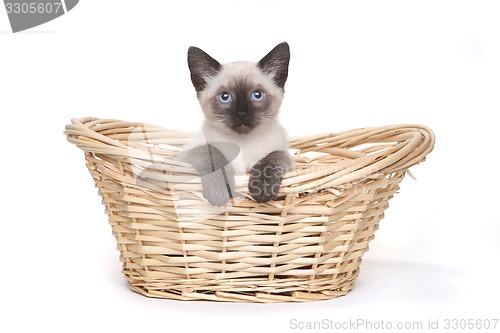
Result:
[{"x": 354, "y": 64}]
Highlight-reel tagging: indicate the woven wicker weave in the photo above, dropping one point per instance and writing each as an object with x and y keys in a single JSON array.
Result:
[{"x": 306, "y": 245}]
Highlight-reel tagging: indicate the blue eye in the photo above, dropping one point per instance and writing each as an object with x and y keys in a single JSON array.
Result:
[
  {"x": 257, "y": 95},
  {"x": 225, "y": 97}
]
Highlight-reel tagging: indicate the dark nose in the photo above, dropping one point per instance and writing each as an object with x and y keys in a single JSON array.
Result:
[{"x": 241, "y": 114}]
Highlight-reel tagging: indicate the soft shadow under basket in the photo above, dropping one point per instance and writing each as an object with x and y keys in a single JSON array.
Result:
[{"x": 306, "y": 245}]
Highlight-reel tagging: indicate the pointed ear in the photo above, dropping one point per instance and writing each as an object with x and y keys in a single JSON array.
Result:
[
  {"x": 276, "y": 63},
  {"x": 201, "y": 66}
]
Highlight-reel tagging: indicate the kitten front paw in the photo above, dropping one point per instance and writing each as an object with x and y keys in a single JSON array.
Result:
[
  {"x": 265, "y": 182},
  {"x": 218, "y": 187}
]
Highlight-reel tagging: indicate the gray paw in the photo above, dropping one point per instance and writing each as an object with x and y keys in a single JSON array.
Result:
[
  {"x": 218, "y": 187},
  {"x": 265, "y": 182}
]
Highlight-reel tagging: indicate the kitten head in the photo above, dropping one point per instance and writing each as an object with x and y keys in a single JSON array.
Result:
[{"x": 239, "y": 96}]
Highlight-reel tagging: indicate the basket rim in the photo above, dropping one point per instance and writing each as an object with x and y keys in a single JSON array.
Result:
[{"x": 413, "y": 143}]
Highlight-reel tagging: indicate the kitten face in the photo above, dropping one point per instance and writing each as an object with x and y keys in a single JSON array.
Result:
[{"x": 239, "y": 96}]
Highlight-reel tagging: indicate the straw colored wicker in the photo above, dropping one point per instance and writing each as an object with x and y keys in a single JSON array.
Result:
[{"x": 306, "y": 245}]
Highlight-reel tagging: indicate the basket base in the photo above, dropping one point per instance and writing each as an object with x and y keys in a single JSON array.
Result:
[{"x": 252, "y": 291}]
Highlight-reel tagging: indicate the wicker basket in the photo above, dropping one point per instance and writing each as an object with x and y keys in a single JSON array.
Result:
[{"x": 306, "y": 245}]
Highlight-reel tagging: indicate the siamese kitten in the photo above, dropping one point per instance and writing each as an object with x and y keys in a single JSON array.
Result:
[{"x": 240, "y": 132}]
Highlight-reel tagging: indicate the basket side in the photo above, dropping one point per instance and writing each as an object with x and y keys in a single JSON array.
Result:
[{"x": 398, "y": 148}]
